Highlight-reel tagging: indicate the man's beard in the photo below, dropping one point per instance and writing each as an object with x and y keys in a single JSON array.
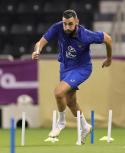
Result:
[{"x": 70, "y": 32}]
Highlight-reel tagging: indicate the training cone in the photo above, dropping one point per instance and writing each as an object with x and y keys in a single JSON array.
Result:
[
  {"x": 105, "y": 138},
  {"x": 50, "y": 139}
]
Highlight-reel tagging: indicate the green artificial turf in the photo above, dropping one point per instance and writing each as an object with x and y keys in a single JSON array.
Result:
[{"x": 34, "y": 142}]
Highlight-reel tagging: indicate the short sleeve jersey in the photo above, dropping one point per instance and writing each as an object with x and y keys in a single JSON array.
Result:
[{"x": 74, "y": 51}]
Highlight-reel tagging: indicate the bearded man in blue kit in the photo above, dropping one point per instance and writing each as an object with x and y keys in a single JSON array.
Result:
[{"x": 75, "y": 64}]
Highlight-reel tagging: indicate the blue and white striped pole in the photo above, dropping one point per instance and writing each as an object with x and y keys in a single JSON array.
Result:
[
  {"x": 12, "y": 135},
  {"x": 92, "y": 123}
]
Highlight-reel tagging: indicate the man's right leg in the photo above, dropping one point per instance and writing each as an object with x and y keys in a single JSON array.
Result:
[{"x": 60, "y": 95}]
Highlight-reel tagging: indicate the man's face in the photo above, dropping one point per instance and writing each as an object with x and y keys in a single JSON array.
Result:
[{"x": 69, "y": 24}]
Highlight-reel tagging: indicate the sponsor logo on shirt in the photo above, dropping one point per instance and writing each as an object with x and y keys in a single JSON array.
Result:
[
  {"x": 72, "y": 80},
  {"x": 71, "y": 52}
]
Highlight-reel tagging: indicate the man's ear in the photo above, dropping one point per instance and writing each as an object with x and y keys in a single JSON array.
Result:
[{"x": 77, "y": 21}]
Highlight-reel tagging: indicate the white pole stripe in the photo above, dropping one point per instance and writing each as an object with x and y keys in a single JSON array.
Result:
[
  {"x": 109, "y": 126},
  {"x": 54, "y": 120},
  {"x": 78, "y": 128},
  {"x": 23, "y": 128}
]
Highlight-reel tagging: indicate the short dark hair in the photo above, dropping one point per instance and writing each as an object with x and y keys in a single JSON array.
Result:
[{"x": 69, "y": 13}]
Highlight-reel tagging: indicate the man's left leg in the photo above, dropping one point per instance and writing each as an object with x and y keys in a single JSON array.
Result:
[
  {"x": 74, "y": 107},
  {"x": 72, "y": 102}
]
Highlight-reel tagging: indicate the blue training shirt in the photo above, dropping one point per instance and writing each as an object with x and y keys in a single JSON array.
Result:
[{"x": 74, "y": 51}]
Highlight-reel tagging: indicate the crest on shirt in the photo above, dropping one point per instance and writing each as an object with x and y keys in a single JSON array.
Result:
[
  {"x": 71, "y": 52},
  {"x": 80, "y": 45}
]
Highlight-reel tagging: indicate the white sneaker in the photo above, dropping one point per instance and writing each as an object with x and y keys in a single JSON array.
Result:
[
  {"x": 56, "y": 132},
  {"x": 85, "y": 133}
]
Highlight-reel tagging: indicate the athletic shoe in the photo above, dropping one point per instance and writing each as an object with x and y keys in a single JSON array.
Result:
[
  {"x": 85, "y": 133},
  {"x": 56, "y": 132}
]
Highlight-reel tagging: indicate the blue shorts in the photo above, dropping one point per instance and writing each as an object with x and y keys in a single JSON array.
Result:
[{"x": 76, "y": 76}]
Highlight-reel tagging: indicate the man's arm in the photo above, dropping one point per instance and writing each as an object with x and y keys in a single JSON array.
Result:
[
  {"x": 108, "y": 43},
  {"x": 38, "y": 48}
]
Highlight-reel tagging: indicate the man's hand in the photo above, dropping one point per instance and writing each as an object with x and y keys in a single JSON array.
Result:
[
  {"x": 107, "y": 63},
  {"x": 38, "y": 48},
  {"x": 35, "y": 55},
  {"x": 36, "y": 52}
]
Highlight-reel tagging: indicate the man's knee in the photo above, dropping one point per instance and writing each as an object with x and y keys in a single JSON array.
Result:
[{"x": 58, "y": 93}]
